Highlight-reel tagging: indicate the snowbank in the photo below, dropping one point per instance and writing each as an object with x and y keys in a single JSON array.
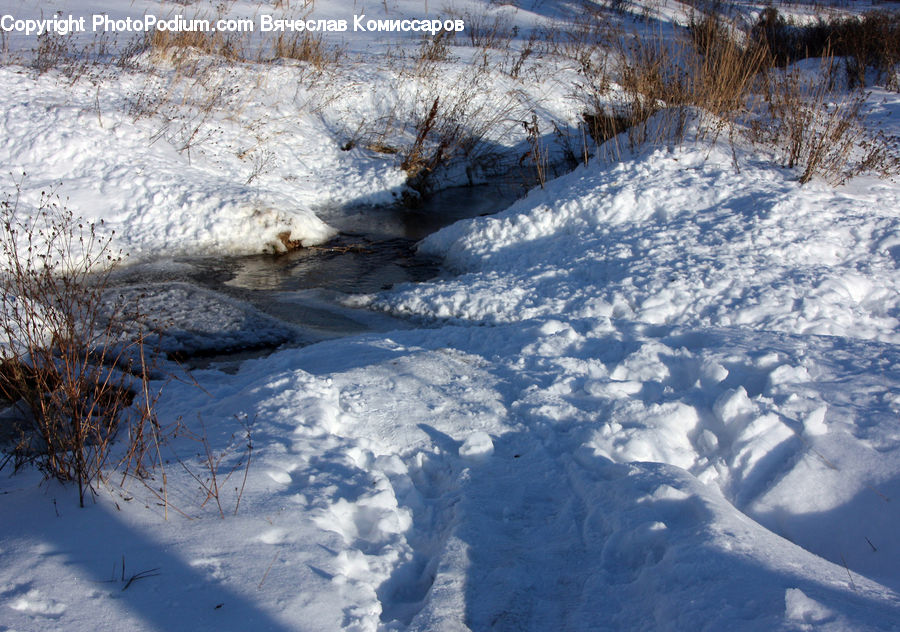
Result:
[
  {"x": 106, "y": 165},
  {"x": 678, "y": 237}
]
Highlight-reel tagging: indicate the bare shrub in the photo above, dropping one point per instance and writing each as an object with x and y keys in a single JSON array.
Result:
[
  {"x": 486, "y": 31},
  {"x": 449, "y": 122},
  {"x": 434, "y": 48},
  {"x": 522, "y": 55},
  {"x": 63, "y": 53},
  {"x": 872, "y": 42},
  {"x": 53, "y": 51},
  {"x": 416, "y": 160},
  {"x": 821, "y": 132},
  {"x": 537, "y": 152},
  {"x": 65, "y": 368},
  {"x": 188, "y": 104},
  {"x": 585, "y": 39},
  {"x": 209, "y": 470}
]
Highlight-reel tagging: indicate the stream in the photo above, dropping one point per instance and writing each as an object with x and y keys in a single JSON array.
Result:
[{"x": 226, "y": 309}]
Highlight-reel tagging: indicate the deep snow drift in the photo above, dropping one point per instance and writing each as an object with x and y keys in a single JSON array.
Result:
[{"x": 657, "y": 394}]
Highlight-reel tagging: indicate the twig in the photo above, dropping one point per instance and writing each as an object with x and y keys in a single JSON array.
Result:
[
  {"x": 849, "y": 576},
  {"x": 266, "y": 574},
  {"x": 141, "y": 575},
  {"x": 246, "y": 469},
  {"x": 154, "y": 430}
]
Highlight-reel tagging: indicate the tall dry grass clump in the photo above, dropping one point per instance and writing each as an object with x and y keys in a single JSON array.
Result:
[
  {"x": 447, "y": 126},
  {"x": 307, "y": 47},
  {"x": 721, "y": 72},
  {"x": 704, "y": 68},
  {"x": 867, "y": 42},
  {"x": 174, "y": 44}
]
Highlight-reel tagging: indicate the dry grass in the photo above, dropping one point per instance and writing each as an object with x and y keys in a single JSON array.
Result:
[
  {"x": 447, "y": 126},
  {"x": 433, "y": 49},
  {"x": 181, "y": 47},
  {"x": 63, "y": 53},
  {"x": 810, "y": 126},
  {"x": 488, "y": 31},
  {"x": 66, "y": 369},
  {"x": 869, "y": 42},
  {"x": 706, "y": 69},
  {"x": 822, "y": 132},
  {"x": 174, "y": 45},
  {"x": 306, "y": 47}
]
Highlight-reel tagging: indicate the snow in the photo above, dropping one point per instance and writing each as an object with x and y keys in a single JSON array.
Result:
[
  {"x": 658, "y": 393},
  {"x": 477, "y": 447},
  {"x": 678, "y": 236}
]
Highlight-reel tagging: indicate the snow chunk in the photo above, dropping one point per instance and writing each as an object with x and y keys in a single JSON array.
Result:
[
  {"x": 799, "y": 607},
  {"x": 712, "y": 373},
  {"x": 734, "y": 406},
  {"x": 661, "y": 436},
  {"x": 613, "y": 389},
  {"x": 478, "y": 447},
  {"x": 814, "y": 424},
  {"x": 787, "y": 374}
]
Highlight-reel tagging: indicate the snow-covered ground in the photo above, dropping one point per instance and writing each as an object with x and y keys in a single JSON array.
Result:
[{"x": 659, "y": 393}]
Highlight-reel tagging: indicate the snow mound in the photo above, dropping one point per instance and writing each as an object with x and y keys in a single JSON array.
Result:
[
  {"x": 143, "y": 180},
  {"x": 677, "y": 237}
]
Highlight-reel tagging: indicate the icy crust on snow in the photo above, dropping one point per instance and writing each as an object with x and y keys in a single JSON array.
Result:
[
  {"x": 678, "y": 237},
  {"x": 185, "y": 318}
]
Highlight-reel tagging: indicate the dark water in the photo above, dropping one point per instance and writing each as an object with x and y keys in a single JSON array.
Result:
[{"x": 307, "y": 288}]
